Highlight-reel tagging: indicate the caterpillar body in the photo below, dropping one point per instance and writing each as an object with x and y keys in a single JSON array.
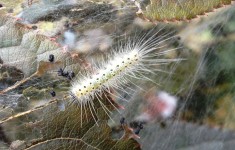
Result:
[{"x": 134, "y": 60}]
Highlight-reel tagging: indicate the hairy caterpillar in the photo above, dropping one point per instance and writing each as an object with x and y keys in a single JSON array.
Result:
[{"x": 135, "y": 59}]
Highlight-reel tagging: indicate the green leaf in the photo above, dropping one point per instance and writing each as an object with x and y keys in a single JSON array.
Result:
[{"x": 171, "y": 10}]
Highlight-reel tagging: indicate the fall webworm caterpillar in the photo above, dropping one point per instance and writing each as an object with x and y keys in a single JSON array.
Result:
[{"x": 133, "y": 60}]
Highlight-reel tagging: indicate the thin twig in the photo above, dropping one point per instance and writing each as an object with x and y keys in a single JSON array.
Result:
[
  {"x": 28, "y": 111},
  {"x": 18, "y": 84}
]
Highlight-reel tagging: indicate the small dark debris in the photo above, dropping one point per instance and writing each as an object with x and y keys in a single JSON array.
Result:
[
  {"x": 67, "y": 74},
  {"x": 53, "y": 94},
  {"x": 34, "y": 27},
  {"x": 137, "y": 131},
  {"x": 122, "y": 120},
  {"x": 135, "y": 124},
  {"x": 52, "y": 58},
  {"x": 71, "y": 75},
  {"x": 163, "y": 125},
  {"x": 60, "y": 72},
  {"x": 1, "y": 5},
  {"x": 139, "y": 127},
  {"x": 178, "y": 38}
]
